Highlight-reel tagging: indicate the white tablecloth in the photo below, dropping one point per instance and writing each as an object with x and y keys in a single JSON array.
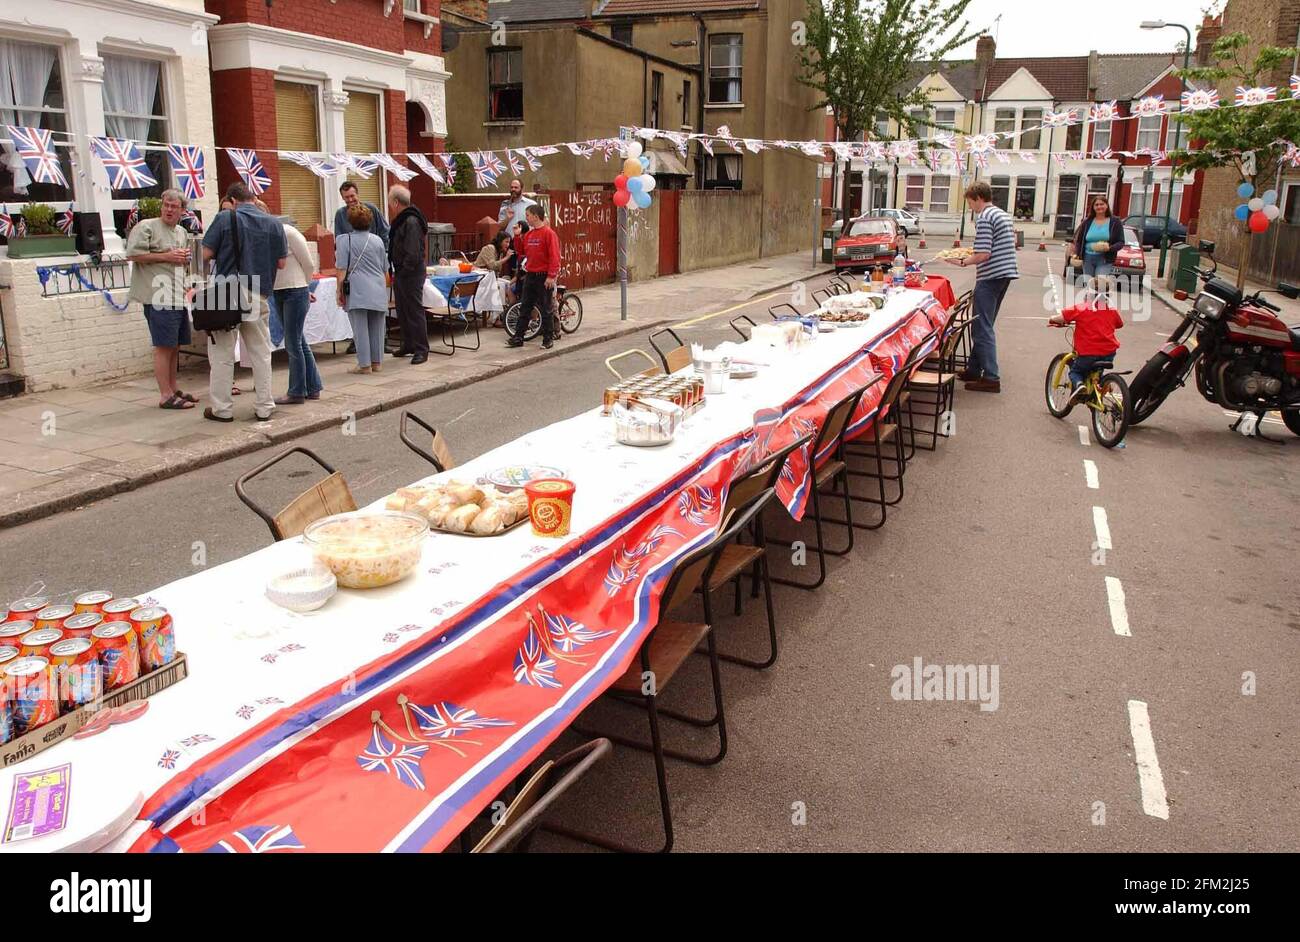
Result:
[{"x": 489, "y": 299}]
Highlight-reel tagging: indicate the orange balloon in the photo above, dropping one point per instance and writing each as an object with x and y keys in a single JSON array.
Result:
[{"x": 632, "y": 167}]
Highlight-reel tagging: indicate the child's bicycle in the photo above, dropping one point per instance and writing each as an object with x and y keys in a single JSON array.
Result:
[
  {"x": 1106, "y": 394},
  {"x": 566, "y": 307}
]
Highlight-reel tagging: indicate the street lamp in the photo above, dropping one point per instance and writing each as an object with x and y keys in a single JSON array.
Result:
[{"x": 1178, "y": 132}]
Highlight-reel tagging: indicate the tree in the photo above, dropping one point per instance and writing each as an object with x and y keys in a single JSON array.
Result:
[
  {"x": 464, "y": 182},
  {"x": 861, "y": 55},
  {"x": 1225, "y": 136}
]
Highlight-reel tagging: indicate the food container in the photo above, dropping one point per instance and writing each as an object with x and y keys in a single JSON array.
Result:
[
  {"x": 550, "y": 506},
  {"x": 465, "y": 268},
  {"x": 8, "y": 652},
  {"x": 444, "y": 271},
  {"x": 914, "y": 279},
  {"x": 715, "y": 375},
  {"x": 53, "y": 616},
  {"x": 647, "y": 422},
  {"x": 92, "y": 601},
  {"x": 303, "y": 590},
  {"x": 368, "y": 549}
]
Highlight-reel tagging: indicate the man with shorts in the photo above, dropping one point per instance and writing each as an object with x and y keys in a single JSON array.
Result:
[{"x": 158, "y": 250}]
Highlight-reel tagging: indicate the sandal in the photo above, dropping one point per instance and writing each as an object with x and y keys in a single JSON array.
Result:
[
  {"x": 176, "y": 402},
  {"x": 235, "y": 391},
  {"x": 186, "y": 396}
]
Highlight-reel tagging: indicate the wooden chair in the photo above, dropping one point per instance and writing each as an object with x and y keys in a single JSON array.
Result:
[
  {"x": 514, "y": 832},
  {"x": 933, "y": 390},
  {"x": 738, "y": 325},
  {"x": 323, "y": 499},
  {"x": 459, "y": 317},
  {"x": 653, "y": 370},
  {"x": 437, "y": 454},
  {"x": 675, "y": 358}
]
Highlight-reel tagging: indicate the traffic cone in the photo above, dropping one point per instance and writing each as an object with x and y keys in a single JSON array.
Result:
[
  {"x": 922, "y": 242},
  {"x": 1042, "y": 246},
  {"x": 956, "y": 243}
]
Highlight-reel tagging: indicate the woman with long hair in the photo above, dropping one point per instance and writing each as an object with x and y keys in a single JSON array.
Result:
[{"x": 1098, "y": 239}]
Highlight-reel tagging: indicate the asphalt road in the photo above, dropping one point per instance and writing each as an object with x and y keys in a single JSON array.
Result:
[{"x": 990, "y": 560}]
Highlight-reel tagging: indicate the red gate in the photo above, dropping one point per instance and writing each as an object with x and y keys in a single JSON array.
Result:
[
  {"x": 668, "y": 206},
  {"x": 586, "y": 223}
]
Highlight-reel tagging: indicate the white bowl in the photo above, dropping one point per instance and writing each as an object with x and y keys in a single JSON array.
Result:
[{"x": 302, "y": 590}]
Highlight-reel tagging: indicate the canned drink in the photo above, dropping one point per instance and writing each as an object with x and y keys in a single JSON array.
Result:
[
  {"x": 119, "y": 609},
  {"x": 29, "y": 683},
  {"x": 6, "y": 720},
  {"x": 92, "y": 601},
  {"x": 53, "y": 616},
  {"x": 38, "y": 642},
  {"x": 118, "y": 650},
  {"x": 153, "y": 628},
  {"x": 24, "y": 609},
  {"x": 8, "y": 652},
  {"x": 77, "y": 669},
  {"x": 80, "y": 626},
  {"x": 11, "y": 632}
]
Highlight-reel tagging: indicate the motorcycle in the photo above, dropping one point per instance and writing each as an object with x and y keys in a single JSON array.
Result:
[{"x": 1244, "y": 358}]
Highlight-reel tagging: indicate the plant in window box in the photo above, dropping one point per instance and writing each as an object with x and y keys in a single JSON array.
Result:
[{"x": 43, "y": 238}]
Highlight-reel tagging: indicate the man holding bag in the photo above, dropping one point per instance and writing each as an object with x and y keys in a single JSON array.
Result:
[{"x": 248, "y": 247}]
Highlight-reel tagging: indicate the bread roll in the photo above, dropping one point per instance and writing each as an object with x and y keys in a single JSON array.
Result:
[
  {"x": 492, "y": 519},
  {"x": 465, "y": 493},
  {"x": 459, "y": 520}
]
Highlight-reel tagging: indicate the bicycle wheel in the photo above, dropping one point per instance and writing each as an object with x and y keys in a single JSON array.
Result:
[
  {"x": 1057, "y": 387},
  {"x": 570, "y": 313},
  {"x": 512, "y": 318},
  {"x": 1110, "y": 418}
]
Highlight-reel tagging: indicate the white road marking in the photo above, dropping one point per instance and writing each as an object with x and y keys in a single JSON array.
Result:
[
  {"x": 1118, "y": 610},
  {"x": 1267, "y": 418},
  {"x": 1090, "y": 473},
  {"x": 1083, "y": 435},
  {"x": 1103, "y": 528},
  {"x": 1154, "y": 801}
]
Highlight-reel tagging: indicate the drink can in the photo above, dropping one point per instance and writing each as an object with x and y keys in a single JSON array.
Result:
[
  {"x": 37, "y": 643},
  {"x": 77, "y": 669},
  {"x": 118, "y": 650},
  {"x": 92, "y": 601},
  {"x": 29, "y": 683},
  {"x": 153, "y": 628},
  {"x": 81, "y": 625},
  {"x": 24, "y": 609},
  {"x": 11, "y": 632},
  {"x": 8, "y": 652},
  {"x": 6, "y": 720},
  {"x": 53, "y": 616},
  {"x": 119, "y": 609}
]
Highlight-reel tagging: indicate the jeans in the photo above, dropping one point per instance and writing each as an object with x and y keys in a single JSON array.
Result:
[
  {"x": 275, "y": 324},
  {"x": 304, "y": 378},
  {"x": 368, "y": 335},
  {"x": 1095, "y": 266},
  {"x": 1081, "y": 366},
  {"x": 536, "y": 295},
  {"x": 986, "y": 301}
]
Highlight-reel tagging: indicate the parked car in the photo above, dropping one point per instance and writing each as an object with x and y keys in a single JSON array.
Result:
[
  {"x": 1150, "y": 229},
  {"x": 907, "y": 221},
  {"x": 1130, "y": 262},
  {"x": 871, "y": 242}
]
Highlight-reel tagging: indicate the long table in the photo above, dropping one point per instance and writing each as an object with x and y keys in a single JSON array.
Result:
[{"x": 389, "y": 719}]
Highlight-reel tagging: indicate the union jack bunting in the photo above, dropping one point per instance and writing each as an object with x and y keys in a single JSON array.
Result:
[
  {"x": 946, "y": 141},
  {"x": 320, "y": 167},
  {"x": 512, "y": 158},
  {"x": 545, "y": 151},
  {"x": 1295, "y": 86},
  {"x": 1103, "y": 154},
  {"x": 842, "y": 150},
  {"x": 36, "y": 147},
  {"x": 1060, "y": 119},
  {"x": 1292, "y": 156},
  {"x": 6, "y": 223},
  {"x": 533, "y": 162},
  {"x": 1200, "y": 99},
  {"x": 429, "y": 169},
  {"x": 1157, "y": 156},
  {"x": 66, "y": 221},
  {"x": 188, "y": 168},
  {"x": 1103, "y": 111},
  {"x": 754, "y": 146},
  {"x": 122, "y": 161},
  {"x": 249, "y": 167},
  {"x": 1028, "y": 156},
  {"x": 191, "y": 222},
  {"x": 389, "y": 163},
  {"x": 259, "y": 839},
  {"x": 981, "y": 143},
  {"x": 487, "y": 167},
  {"x": 449, "y": 164},
  {"x": 874, "y": 150},
  {"x": 1254, "y": 96},
  {"x": 905, "y": 150},
  {"x": 708, "y": 146},
  {"x": 1150, "y": 106},
  {"x": 1002, "y": 156},
  {"x": 363, "y": 167}
]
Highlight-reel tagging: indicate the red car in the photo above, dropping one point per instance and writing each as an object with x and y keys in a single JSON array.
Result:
[
  {"x": 871, "y": 242},
  {"x": 1130, "y": 263}
]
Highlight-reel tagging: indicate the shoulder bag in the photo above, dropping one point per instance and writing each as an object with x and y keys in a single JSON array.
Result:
[{"x": 223, "y": 301}]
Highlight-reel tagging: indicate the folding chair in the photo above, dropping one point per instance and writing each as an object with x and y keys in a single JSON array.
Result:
[
  {"x": 323, "y": 499},
  {"x": 833, "y": 471},
  {"x": 463, "y": 315},
  {"x": 437, "y": 454},
  {"x": 737, "y": 323},
  {"x": 514, "y": 832},
  {"x": 653, "y": 370},
  {"x": 665, "y": 649},
  {"x": 963, "y": 309},
  {"x": 675, "y": 358},
  {"x": 940, "y": 383},
  {"x": 822, "y": 295},
  {"x": 784, "y": 308}
]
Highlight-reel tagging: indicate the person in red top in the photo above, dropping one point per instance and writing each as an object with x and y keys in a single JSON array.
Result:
[
  {"x": 1095, "y": 323},
  {"x": 541, "y": 260}
]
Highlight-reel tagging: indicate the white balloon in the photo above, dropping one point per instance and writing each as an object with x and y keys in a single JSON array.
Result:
[
  {"x": 647, "y": 183},
  {"x": 634, "y": 149},
  {"x": 1272, "y": 211},
  {"x": 1256, "y": 205}
]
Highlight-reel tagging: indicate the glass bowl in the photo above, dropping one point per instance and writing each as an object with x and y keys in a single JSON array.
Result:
[{"x": 368, "y": 549}]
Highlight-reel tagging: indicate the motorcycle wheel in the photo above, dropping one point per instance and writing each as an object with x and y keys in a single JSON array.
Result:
[
  {"x": 1057, "y": 388},
  {"x": 1292, "y": 421},
  {"x": 1149, "y": 389},
  {"x": 1110, "y": 423}
]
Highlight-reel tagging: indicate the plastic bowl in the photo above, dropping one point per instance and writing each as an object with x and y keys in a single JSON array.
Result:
[
  {"x": 368, "y": 549},
  {"x": 466, "y": 268},
  {"x": 303, "y": 590}
]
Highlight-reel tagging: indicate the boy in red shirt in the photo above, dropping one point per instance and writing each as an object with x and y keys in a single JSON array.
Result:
[
  {"x": 1095, "y": 323},
  {"x": 541, "y": 261}
]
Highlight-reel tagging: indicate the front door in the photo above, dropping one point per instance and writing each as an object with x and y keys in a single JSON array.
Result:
[
  {"x": 1067, "y": 206},
  {"x": 668, "y": 211}
]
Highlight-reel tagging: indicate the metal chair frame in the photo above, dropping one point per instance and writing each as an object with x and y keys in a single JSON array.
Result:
[
  {"x": 673, "y": 359},
  {"x": 745, "y": 318},
  {"x": 441, "y": 462},
  {"x": 469, "y": 317},
  {"x": 270, "y": 520}
]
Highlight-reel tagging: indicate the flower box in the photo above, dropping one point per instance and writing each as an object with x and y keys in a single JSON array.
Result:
[{"x": 42, "y": 246}]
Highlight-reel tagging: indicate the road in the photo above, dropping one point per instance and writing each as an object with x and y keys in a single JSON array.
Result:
[{"x": 1147, "y": 692}]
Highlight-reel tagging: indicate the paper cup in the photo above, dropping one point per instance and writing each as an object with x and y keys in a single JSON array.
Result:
[{"x": 550, "y": 506}]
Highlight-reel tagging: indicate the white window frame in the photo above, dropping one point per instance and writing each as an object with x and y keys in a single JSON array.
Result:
[
  {"x": 940, "y": 183},
  {"x": 1101, "y": 134},
  {"x": 1148, "y": 136},
  {"x": 165, "y": 80},
  {"x": 947, "y": 125},
  {"x": 1001, "y": 125},
  {"x": 1036, "y": 124},
  {"x": 739, "y": 69},
  {"x": 913, "y": 206},
  {"x": 73, "y": 131},
  {"x": 1170, "y": 127}
]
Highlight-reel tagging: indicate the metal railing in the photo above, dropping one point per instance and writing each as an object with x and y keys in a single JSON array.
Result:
[{"x": 108, "y": 274}]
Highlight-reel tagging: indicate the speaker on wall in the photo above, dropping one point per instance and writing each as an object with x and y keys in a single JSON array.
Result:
[{"x": 90, "y": 234}]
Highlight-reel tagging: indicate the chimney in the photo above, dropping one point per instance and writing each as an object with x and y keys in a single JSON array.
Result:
[
  {"x": 985, "y": 49},
  {"x": 474, "y": 9},
  {"x": 1094, "y": 74},
  {"x": 1211, "y": 29}
]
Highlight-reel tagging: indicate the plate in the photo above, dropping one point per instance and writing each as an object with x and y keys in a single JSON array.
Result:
[
  {"x": 518, "y": 523},
  {"x": 824, "y": 327},
  {"x": 851, "y": 323},
  {"x": 513, "y": 477},
  {"x": 743, "y": 372}
]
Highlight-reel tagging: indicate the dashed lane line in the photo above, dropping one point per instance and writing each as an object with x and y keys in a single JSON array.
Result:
[
  {"x": 1102, "y": 527},
  {"x": 1154, "y": 800},
  {"x": 1118, "y": 608},
  {"x": 1084, "y": 438},
  {"x": 1090, "y": 474}
]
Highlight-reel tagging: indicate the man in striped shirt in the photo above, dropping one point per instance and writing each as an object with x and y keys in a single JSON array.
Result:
[{"x": 995, "y": 268}]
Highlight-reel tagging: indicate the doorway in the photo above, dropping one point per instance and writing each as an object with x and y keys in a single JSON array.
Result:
[{"x": 1067, "y": 206}]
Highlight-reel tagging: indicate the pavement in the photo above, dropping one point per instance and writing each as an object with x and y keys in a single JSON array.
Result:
[
  {"x": 1183, "y": 610},
  {"x": 66, "y": 448}
]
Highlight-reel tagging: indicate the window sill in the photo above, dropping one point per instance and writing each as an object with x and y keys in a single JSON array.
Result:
[
  {"x": 724, "y": 106},
  {"x": 428, "y": 21},
  {"x": 504, "y": 123}
]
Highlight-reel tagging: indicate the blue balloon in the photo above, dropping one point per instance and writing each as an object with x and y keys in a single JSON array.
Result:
[
  {"x": 641, "y": 199},
  {"x": 645, "y": 162},
  {"x": 1245, "y": 191},
  {"x": 1270, "y": 197},
  {"x": 635, "y": 185},
  {"x": 1242, "y": 212}
]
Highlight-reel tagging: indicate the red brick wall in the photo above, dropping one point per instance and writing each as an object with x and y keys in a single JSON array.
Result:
[
  {"x": 246, "y": 125},
  {"x": 355, "y": 21}
]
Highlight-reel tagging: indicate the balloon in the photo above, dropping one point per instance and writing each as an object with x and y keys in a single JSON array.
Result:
[
  {"x": 645, "y": 162},
  {"x": 634, "y": 149},
  {"x": 1270, "y": 197},
  {"x": 1242, "y": 212},
  {"x": 648, "y": 182},
  {"x": 620, "y": 182},
  {"x": 622, "y": 198},
  {"x": 1245, "y": 191},
  {"x": 632, "y": 167},
  {"x": 1256, "y": 205},
  {"x": 1258, "y": 222},
  {"x": 643, "y": 201},
  {"x": 635, "y": 185},
  {"x": 1272, "y": 211}
]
